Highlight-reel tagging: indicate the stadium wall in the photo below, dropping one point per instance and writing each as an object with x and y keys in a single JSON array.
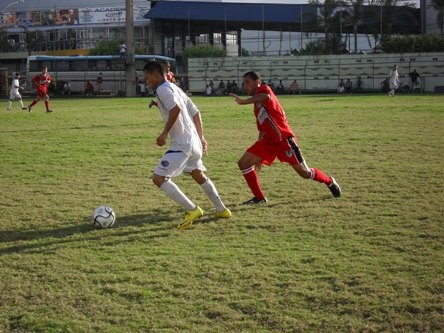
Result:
[{"x": 321, "y": 73}]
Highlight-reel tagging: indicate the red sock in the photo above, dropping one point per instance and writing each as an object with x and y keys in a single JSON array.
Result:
[
  {"x": 47, "y": 105},
  {"x": 34, "y": 102},
  {"x": 321, "y": 177},
  {"x": 250, "y": 176}
]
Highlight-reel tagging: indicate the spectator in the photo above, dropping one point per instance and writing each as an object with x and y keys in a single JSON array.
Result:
[
  {"x": 99, "y": 82},
  {"x": 271, "y": 85},
  {"x": 221, "y": 88},
  {"x": 341, "y": 87},
  {"x": 280, "y": 89},
  {"x": 228, "y": 87},
  {"x": 66, "y": 88},
  {"x": 394, "y": 80},
  {"x": 348, "y": 86},
  {"x": 233, "y": 88},
  {"x": 89, "y": 89},
  {"x": 385, "y": 85},
  {"x": 142, "y": 88},
  {"x": 294, "y": 87},
  {"x": 208, "y": 90},
  {"x": 359, "y": 83},
  {"x": 414, "y": 79},
  {"x": 122, "y": 50}
]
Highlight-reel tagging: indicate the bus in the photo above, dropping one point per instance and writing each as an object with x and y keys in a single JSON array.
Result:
[{"x": 105, "y": 72}]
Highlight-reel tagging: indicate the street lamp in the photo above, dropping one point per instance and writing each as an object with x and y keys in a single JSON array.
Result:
[{"x": 11, "y": 4}]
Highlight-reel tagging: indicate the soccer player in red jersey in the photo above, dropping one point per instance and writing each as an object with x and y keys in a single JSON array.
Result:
[
  {"x": 276, "y": 139},
  {"x": 41, "y": 82}
]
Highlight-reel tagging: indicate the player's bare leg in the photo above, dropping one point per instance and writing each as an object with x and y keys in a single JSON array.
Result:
[
  {"x": 34, "y": 102},
  {"x": 210, "y": 190},
  {"x": 247, "y": 164},
  {"x": 46, "y": 98}
]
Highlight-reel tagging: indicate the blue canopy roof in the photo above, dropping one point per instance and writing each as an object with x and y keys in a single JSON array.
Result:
[{"x": 232, "y": 12}]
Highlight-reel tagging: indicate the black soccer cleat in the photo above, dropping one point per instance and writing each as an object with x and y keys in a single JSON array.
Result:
[
  {"x": 255, "y": 201},
  {"x": 335, "y": 189}
]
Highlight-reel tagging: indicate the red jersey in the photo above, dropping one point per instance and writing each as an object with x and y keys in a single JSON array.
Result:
[
  {"x": 270, "y": 118},
  {"x": 170, "y": 77},
  {"x": 42, "y": 81}
]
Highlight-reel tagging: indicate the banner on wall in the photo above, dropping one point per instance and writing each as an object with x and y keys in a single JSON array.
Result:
[{"x": 70, "y": 16}]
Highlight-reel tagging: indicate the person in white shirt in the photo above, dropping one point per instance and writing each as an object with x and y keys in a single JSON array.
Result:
[
  {"x": 122, "y": 50},
  {"x": 183, "y": 124},
  {"x": 14, "y": 93},
  {"x": 393, "y": 80}
]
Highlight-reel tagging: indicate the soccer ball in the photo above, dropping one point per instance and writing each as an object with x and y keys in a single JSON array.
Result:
[{"x": 103, "y": 217}]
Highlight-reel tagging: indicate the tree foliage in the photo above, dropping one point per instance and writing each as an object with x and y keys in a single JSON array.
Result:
[
  {"x": 105, "y": 47},
  {"x": 405, "y": 44},
  {"x": 203, "y": 51},
  {"x": 438, "y": 5},
  {"x": 330, "y": 45}
]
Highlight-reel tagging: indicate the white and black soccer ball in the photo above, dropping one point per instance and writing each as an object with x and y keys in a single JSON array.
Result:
[{"x": 103, "y": 217}]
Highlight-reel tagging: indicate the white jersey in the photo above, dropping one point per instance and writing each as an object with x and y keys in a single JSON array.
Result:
[
  {"x": 394, "y": 78},
  {"x": 14, "y": 87},
  {"x": 183, "y": 134}
]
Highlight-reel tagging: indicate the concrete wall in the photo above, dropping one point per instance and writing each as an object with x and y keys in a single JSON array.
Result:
[{"x": 320, "y": 73}]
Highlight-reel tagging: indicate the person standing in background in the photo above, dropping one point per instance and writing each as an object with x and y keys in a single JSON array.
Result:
[
  {"x": 14, "y": 93},
  {"x": 393, "y": 80}
]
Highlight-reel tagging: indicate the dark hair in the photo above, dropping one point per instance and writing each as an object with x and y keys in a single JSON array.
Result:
[
  {"x": 154, "y": 67},
  {"x": 252, "y": 75}
]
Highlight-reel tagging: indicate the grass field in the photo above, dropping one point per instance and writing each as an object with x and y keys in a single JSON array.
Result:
[{"x": 371, "y": 261}]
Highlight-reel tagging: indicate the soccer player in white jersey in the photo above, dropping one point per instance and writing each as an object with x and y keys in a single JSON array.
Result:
[
  {"x": 14, "y": 93},
  {"x": 183, "y": 124},
  {"x": 393, "y": 80}
]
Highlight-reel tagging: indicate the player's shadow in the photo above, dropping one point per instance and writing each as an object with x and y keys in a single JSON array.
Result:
[{"x": 68, "y": 234}]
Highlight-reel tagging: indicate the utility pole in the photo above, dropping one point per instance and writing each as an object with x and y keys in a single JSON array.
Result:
[{"x": 130, "y": 67}]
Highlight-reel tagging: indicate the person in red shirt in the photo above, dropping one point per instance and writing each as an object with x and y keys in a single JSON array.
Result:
[
  {"x": 41, "y": 82},
  {"x": 276, "y": 139}
]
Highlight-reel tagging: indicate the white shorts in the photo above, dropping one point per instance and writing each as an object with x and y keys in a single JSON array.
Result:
[
  {"x": 174, "y": 162},
  {"x": 16, "y": 95}
]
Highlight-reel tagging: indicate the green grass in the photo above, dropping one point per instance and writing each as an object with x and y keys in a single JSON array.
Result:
[{"x": 371, "y": 261}]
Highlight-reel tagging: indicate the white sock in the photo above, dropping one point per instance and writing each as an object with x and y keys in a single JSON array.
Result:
[
  {"x": 174, "y": 192},
  {"x": 211, "y": 192},
  {"x": 21, "y": 103},
  {"x": 9, "y": 104}
]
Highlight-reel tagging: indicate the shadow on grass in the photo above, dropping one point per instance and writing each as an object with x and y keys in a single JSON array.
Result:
[{"x": 67, "y": 234}]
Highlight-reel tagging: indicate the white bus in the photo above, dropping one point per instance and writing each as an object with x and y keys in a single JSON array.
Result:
[{"x": 78, "y": 70}]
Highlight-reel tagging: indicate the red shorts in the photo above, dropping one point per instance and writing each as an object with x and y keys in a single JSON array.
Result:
[
  {"x": 41, "y": 93},
  {"x": 286, "y": 151}
]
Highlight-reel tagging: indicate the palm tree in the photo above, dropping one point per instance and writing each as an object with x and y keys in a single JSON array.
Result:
[
  {"x": 438, "y": 5},
  {"x": 356, "y": 18}
]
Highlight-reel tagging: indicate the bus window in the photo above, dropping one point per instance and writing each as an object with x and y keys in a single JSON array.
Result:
[
  {"x": 79, "y": 65},
  {"x": 92, "y": 65},
  {"x": 140, "y": 64},
  {"x": 102, "y": 65},
  {"x": 35, "y": 66},
  {"x": 62, "y": 66},
  {"x": 117, "y": 66}
]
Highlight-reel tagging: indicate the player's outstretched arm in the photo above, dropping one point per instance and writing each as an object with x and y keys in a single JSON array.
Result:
[{"x": 259, "y": 98}]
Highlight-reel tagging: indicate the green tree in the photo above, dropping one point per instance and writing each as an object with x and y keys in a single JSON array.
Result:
[
  {"x": 203, "y": 51},
  {"x": 105, "y": 47},
  {"x": 438, "y": 5}
]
